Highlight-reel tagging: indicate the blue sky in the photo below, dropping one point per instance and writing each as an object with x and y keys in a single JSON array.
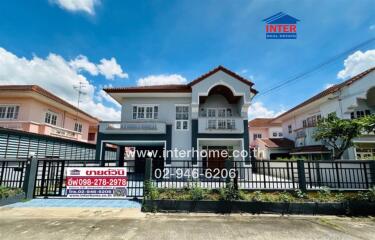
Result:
[{"x": 56, "y": 43}]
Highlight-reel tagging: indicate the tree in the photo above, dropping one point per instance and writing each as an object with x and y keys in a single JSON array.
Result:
[
  {"x": 338, "y": 133},
  {"x": 367, "y": 123}
]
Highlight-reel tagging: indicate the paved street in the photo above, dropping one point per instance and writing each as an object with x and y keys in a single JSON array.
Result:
[{"x": 111, "y": 223}]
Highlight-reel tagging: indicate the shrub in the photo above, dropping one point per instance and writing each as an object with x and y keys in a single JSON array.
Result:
[
  {"x": 258, "y": 196},
  {"x": 196, "y": 193},
  {"x": 298, "y": 193},
  {"x": 339, "y": 197},
  {"x": 6, "y": 192},
  {"x": 362, "y": 196},
  {"x": 230, "y": 192},
  {"x": 371, "y": 194},
  {"x": 150, "y": 192},
  {"x": 285, "y": 197},
  {"x": 324, "y": 194}
]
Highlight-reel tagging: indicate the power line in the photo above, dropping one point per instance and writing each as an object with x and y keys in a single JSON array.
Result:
[{"x": 316, "y": 68}]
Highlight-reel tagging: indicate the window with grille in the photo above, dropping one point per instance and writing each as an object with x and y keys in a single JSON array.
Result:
[
  {"x": 145, "y": 112},
  {"x": 182, "y": 117},
  {"x": 78, "y": 127},
  {"x": 50, "y": 118},
  {"x": 9, "y": 112}
]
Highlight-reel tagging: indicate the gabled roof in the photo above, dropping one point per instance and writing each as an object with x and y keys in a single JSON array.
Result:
[
  {"x": 277, "y": 142},
  {"x": 227, "y": 71},
  {"x": 39, "y": 90},
  {"x": 263, "y": 122},
  {"x": 329, "y": 91},
  {"x": 179, "y": 87},
  {"x": 281, "y": 18}
]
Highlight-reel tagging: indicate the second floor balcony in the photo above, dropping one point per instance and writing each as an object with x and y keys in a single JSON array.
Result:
[
  {"x": 42, "y": 128},
  {"x": 133, "y": 127},
  {"x": 220, "y": 125}
]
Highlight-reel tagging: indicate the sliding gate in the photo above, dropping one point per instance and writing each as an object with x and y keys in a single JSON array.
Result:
[{"x": 51, "y": 177}]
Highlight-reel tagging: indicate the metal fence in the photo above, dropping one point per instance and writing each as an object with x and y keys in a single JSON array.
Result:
[
  {"x": 50, "y": 174},
  {"x": 12, "y": 172},
  {"x": 15, "y": 144},
  {"x": 268, "y": 175}
]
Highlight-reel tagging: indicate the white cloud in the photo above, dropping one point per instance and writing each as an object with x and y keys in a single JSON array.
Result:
[
  {"x": 56, "y": 75},
  {"x": 102, "y": 95},
  {"x": 258, "y": 110},
  {"x": 162, "y": 79},
  {"x": 357, "y": 63},
  {"x": 82, "y": 63},
  {"x": 87, "y": 6},
  {"x": 328, "y": 85},
  {"x": 110, "y": 69}
]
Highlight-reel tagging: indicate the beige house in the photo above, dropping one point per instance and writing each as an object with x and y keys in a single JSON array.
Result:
[
  {"x": 353, "y": 98},
  {"x": 33, "y": 109}
]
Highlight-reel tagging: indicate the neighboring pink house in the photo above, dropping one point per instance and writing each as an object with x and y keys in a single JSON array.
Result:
[
  {"x": 263, "y": 128},
  {"x": 266, "y": 139},
  {"x": 33, "y": 109}
]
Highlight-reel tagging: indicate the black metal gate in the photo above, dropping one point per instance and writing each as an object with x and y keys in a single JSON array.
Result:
[{"x": 51, "y": 176}]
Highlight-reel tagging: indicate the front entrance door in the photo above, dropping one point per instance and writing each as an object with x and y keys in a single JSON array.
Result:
[{"x": 216, "y": 157}]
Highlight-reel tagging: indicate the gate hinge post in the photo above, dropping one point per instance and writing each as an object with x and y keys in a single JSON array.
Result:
[
  {"x": 148, "y": 169},
  {"x": 30, "y": 177}
]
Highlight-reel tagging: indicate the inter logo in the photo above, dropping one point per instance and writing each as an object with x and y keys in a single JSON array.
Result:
[{"x": 281, "y": 26}]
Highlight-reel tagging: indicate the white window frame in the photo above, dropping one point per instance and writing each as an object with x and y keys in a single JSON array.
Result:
[
  {"x": 78, "y": 127},
  {"x": 50, "y": 119},
  {"x": 214, "y": 111},
  {"x": 181, "y": 121},
  {"x": 15, "y": 112},
  {"x": 154, "y": 114}
]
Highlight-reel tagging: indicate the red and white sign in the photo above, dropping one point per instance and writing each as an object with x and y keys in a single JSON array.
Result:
[{"x": 96, "y": 182}]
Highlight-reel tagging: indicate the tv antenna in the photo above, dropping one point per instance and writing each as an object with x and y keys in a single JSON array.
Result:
[{"x": 79, "y": 88}]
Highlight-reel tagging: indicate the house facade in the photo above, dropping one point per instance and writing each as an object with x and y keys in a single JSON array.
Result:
[
  {"x": 33, "y": 109},
  {"x": 350, "y": 99},
  {"x": 207, "y": 113},
  {"x": 267, "y": 141}
]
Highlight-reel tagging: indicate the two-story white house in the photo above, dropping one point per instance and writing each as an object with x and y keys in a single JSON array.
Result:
[
  {"x": 350, "y": 99},
  {"x": 207, "y": 113}
]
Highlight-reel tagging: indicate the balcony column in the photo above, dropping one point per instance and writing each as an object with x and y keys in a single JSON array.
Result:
[
  {"x": 245, "y": 109},
  {"x": 194, "y": 129},
  {"x": 194, "y": 110}
]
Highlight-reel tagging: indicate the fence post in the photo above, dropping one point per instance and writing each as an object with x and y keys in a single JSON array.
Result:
[
  {"x": 301, "y": 175},
  {"x": 148, "y": 169},
  {"x": 372, "y": 173},
  {"x": 228, "y": 167},
  {"x": 30, "y": 177}
]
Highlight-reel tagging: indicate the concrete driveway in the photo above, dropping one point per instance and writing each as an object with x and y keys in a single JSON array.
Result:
[{"x": 111, "y": 224}]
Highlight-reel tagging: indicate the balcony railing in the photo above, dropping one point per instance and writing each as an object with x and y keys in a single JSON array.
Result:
[
  {"x": 132, "y": 127},
  {"x": 220, "y": 125},
  {"x": 41, "y": 128},
  {"x": 62, "y": 132}
]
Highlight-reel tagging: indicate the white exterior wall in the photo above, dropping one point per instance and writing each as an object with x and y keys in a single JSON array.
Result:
[
  {"x": 349, "y": 99},
  {"x": 181, "y": 139}
]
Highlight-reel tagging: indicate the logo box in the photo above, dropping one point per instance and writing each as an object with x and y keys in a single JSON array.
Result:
[{"x": 281, "y": 26}]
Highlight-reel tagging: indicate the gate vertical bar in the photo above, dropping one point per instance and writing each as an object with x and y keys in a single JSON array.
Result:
[{"x": 301, "y": 175}]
